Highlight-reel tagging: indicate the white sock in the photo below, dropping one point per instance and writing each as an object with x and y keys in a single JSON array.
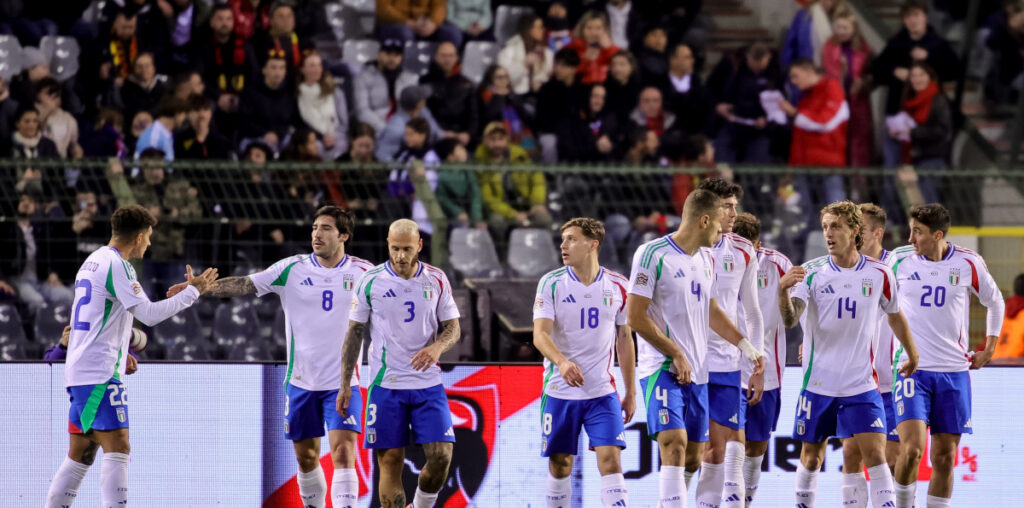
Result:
[
  {"x": 939, "y": 502},
  {"x": 672, "y": 487},
  {"x": 688, "y": 477},
  {"x": 806, "y": 486},
  {"x": 313, "y": 488},
  {"x": 425, "y": 499},
  {"x": 905, "y": 495},
  {"x": 559, "y": 492},
  {"x": 855, "y": 490},
  {"x": 613, "y": 490},
  {"x": 64, "y": 487},
  {"x": 344, "y": 488},
  {"x": 752, "y": 475},
  {"x": 709, "y": 485},
  {"x": 882, "y": 491},
  {"x": 733, "y": 486},
  {"x": 114, "y": 479}
]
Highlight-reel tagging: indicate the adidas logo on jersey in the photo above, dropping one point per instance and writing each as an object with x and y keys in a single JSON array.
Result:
[
  {"x": 877, "y": 424},
  {"x": 828, "y": 290},
  {"x": 889, "y": 504},
  {"x": 679, "y": 274},
  {"x": 307, "y": 282},
  {"x": 732, "y": 499},
  {"x": 351, "y": 420},
  {"x": 390, "y": 294},
  {"x": 916, "y": 276},
  {"x": 735, "y": 419},
  {"x": 569, "y": 299},
  {"x": 968, "y": 424},
  {"x": 450, "y": 432},
  {"x": 620, "y": 502}
]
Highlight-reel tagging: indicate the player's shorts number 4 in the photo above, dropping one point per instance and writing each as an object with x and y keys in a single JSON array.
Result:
[{"x": 661, "y": 394}]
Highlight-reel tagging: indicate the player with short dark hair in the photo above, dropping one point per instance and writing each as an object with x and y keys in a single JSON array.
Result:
[
  {"x": 937, "y": 279},
  {"x": 108, "y": 297},
  {"x": 579, "y": 323},
  {"x": 316, "y": 292}
]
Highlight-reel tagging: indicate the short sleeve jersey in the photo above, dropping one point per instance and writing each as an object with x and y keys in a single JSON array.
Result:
[
  {"x": 843, "y": 310},
  {"x": 736, "y": 268},
  {"x": 886, "y": 347},
  {"x": 585, "y": 322},
  {"x": 935, "y": 296},
  {"x": 679, "y": 286},
  {"x": 771, "y": 266},
  {"x": 403, "y": 317},
  {"x": 106, "y": 289},
  {"x": 316, "y": 301}
]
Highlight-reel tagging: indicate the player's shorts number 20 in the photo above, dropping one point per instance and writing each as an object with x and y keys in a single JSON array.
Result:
[{"x": 904, "y": 388}]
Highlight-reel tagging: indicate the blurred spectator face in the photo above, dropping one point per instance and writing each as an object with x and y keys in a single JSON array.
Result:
[
  {"x": 257, "y": 155},
  {"x": 803, "y": 78},
  {"x": 919, "y": 79},
  {"x": 390, "y": 60},
  {"x": 282, "y": 21},
  {"x": 843, "y": 29},
  {"x": 650, "y": 102},
  {"x": 28, "y": 124},
  {"x": 620, "y": 68},
  {"x": 309, "y": 147},
  {"x": 312, "y": 69},
  {"x": 501, "y": 82},
  {"x": 557, "y": 10},
  {"x": 141, "y": 122},
  {"x": 597, "y": 97},
  {"x": 195, "y": 84},
  {"x": 656, "y": 40},
  {"x": 222, "y": 23},
  {"x": 496, "y": 142},
  {"x": 1015, "y": 20},
  {"x": 564, "y": 72},
  {"x": 681, "y": 63},
  {"x": 145, "y": 70},
  {"x": 916, "y": 22},
  {"x": 593, "y": 31},
  {"x": 39, "y": 72},
  {"x": 537, "y": 30},
  {"x": 26, "y": 206},
  {"x": 124, "y": 27},
  {"x": 758, "y": 65},
  {"x": 49, "y": 101},
  {"x": 200, "y": 116},
  {"x": 414, "y": 139},
  {"x": 652, "y": 143},
  {"x": 274, "y": 72},
  {"x": 458, "y": 155},
  {"x": 362, "y": 149},
  {"x": 87, "y": 202},
  {"x": 446, "y": 57},
  {"x": 154, "y": 172}
]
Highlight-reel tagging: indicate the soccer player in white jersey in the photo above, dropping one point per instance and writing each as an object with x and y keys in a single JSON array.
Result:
[
  {"x": 842, "y": 293},
  {"x": 579, "y": 323},
  {"x": 108, "y": 297},
  {"x": 316, "y": 292},
  {"x": 671, "y": 305},
  {"x": 721, "y": 479},
  {"x": 403, "y": 300},
  {"x": 936, "y": 281},
  {"x": 855, "y": 485},
  {"x": 761, "y": 418}
]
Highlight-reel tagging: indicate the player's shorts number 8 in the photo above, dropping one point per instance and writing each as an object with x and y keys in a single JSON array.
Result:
[
  {"x": 371, "y": 414},
  {"x": 904, "y": 388},
  {"x": 547, "y": 423}
]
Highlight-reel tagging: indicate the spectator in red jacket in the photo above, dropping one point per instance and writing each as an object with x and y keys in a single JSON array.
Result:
[
  {"x": 819, "y": 126},
  {"x": 593, "y": 43}
]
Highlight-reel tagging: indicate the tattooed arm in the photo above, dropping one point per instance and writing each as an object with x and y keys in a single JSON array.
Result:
[
  {"x": 449, "y": 336},
  {"x": 230, "y": 287},
  {"x": 349, "y": 356},
  {"x": 791, "y": 308}
]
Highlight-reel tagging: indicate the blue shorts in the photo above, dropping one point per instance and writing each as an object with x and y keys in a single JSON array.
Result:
[
  {"x": 763, "y": 416},
  {"x": 819, "y": 417},
  {"x": 98, "y": 407},
  {"x": 890, "y": 418},
  {"x": 390, "y": 413},
  {"x": 561, "y": 421},
  {"x": 941, "y": 399},
  {"x": 671, "y": 405},
  {"x": 725, "y": 399},
  {"x": 306, "y": 412}
]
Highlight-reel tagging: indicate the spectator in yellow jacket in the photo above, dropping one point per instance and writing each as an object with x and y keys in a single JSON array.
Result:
[{"x": 1011, "y": 338}]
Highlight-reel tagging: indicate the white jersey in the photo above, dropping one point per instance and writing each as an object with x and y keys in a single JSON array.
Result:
[
  {"x": 885, "y": 346},
  {"x": 585, "y": 323},
  {"x": 403, "y": 317},
  {"x": 842, "y": 323},
  {"x": 316, "y": 302},
  {"x": 679, "y": 286},
  {"x": 106, "y": 289},
  {"x": 936, "y": 296},
  {"x": 772, "y": 265},
  {"x": 736, "y": 268}
]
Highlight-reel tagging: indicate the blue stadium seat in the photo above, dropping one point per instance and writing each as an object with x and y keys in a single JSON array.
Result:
[
  {"x": 358, "y": 52},
  {"x": 63, "y": 53},
  {"x": 50, "y": 322},
  {"x": 10, "y": 57},
  {"x": 11, "y": 330},
  {"x": 531, "y": 252},
  {"x": 418, "y": 55},
  {"x": 477, "y": 57},
  {"x": 506, "y": 18},
  {"x": 180, "y": 328},
  {"x": 472, "y": 253}
]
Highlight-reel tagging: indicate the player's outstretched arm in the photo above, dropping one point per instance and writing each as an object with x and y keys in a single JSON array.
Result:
[
  {"x": 791, "y": 308},
  {"x": 569, "y": 371},
  {"x": 898, "y": 323},
  {"x": 152, "y": 313},
  {"x": 639, "y": 321},
  {"x": 627, "y": 364},
  {"x": 230, "y": 287},
  {"x": 349, "y": 357}
]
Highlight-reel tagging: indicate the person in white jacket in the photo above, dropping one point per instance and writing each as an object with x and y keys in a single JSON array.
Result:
[
  {"x": 322, "y": 106},
  {"x": 527, "y": 57}
]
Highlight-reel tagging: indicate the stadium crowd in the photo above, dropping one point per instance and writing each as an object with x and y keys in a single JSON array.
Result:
[{"x": 574, "y": 81}]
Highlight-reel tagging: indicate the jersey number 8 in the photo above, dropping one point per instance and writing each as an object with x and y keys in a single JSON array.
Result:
[{"x": 328, "y": 300}]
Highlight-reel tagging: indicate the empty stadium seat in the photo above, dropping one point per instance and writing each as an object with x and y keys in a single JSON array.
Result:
[
  {"x": 505, "y": 21},
  {"x": 357, "y": 53},
  {"x": 417, "y": 56},
  {"x": 278, "y": 333},
  {"x": 472, "y": 252},
  {"x": 531, "y": 252},
  {"x": 10, "y": 57},
  {"x": 477, "y": 57},
  {"x": 234, "y": 324},
  {"x": 50, "y": 322},
  {"x": 10, "y": 325},
  {"x": 188, "y": 351},
  {"x": 63, "y": 53},
  {"x": 13, "y": 351},
  {"x": 180, "y": 328},
  {"x": 345, "y": 22},
  {"x": 250, "y": 352}
]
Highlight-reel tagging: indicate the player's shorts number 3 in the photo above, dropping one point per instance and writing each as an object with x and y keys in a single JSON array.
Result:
[{"x": 371, "y": 414}]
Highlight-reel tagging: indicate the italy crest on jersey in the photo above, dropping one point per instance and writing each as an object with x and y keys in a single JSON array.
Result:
[
  {"x": 762, "y": 279},
  {"x": 865, "y": 287},
  {"x": 348, "y": 282},
  {"x": 954, "y": 276},
  {"x": 608, "y": 298},
  {"x": 428, "y": 291},
  {"x": 727, "y": 263}
]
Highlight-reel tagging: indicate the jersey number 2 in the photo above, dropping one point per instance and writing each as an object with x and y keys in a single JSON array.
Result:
[{"x": 84, "y": 300}]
